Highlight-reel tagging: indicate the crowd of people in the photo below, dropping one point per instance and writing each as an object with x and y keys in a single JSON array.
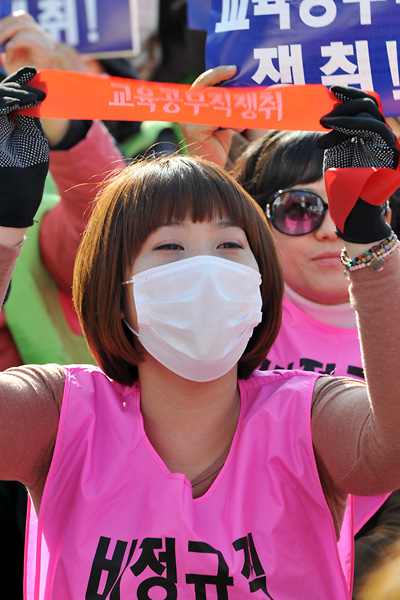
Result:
[{"x": 198, "y": 388}]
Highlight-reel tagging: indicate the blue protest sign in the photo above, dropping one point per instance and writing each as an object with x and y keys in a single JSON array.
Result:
[
  {"x": 96, "y": 27},
  {"x": 344, "y": 42},
  {"x": 198, "y": 13},
  {"x": 5, "y": 8}
]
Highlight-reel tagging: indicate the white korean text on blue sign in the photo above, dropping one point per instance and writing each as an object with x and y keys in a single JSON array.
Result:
[{"x": 333, "y": 42}]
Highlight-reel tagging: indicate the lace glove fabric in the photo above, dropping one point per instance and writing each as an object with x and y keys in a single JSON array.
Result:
[
  {"x": 24, "y": 151},
  {"x": 361, "y": 165}
]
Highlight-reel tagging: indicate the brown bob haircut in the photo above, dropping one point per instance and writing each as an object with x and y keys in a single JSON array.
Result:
[{"x": 131, "y": 205}]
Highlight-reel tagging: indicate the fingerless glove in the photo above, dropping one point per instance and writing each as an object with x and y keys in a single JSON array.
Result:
[
  {"x": 361, "y": 160},
  {"x": 24, "y": 151}
]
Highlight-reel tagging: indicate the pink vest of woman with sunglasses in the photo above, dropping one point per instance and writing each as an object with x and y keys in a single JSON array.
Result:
[
  {"x": 306, "y": 343},
  {"x": 116, "y": 524}
]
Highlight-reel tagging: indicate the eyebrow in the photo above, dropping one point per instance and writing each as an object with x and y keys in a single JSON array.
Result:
[
  {"x": 219, "y": 224},
  {"x": 225, "y": 224}
]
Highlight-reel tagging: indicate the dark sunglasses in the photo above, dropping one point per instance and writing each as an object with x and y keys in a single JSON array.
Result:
[{"x": 296, "y": 212}]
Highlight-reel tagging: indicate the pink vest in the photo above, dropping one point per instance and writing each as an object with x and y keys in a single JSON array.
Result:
[
  {"x": 115, "y": 523},
  {"x": 305, "y": 343}
]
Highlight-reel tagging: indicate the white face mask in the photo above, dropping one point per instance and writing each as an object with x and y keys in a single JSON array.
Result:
[{"x": 196, "y": 315}]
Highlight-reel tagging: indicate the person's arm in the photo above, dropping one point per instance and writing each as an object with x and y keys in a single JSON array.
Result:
[
  {"x": 12, "y": 242},
  {"x": 29, "y": 400},
  {"x": 355, "y": 429},
  {"x": 77, "y": 172}
]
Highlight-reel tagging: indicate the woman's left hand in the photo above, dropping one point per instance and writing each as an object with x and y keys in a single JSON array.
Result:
[
  {"x": 24, "y": 151},
  {"x": 361, "y": 166},
  {"x": 209, "y": 141}
]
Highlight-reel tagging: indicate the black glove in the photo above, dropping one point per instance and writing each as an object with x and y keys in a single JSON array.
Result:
[
  {"x": 361, "y": 159},
  {"x": 24, "y": 151}
]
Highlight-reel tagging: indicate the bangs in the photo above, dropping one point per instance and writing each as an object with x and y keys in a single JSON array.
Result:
[
  {"x": 173, "y": 199},
  {"x": 166, "y": 191}
]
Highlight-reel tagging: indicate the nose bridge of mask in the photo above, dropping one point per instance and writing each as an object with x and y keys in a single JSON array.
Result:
[
  {"x": 192, "y": 294},
  {"x": 216, "y": 288},
  {"x": 182, "y": 277}
]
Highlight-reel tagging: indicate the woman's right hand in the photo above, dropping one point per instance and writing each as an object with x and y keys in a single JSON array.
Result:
[
  {"x": 209, "y": 141},
  {"x": 26, "y": 43}
]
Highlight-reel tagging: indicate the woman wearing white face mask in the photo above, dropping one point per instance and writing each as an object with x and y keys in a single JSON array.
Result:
[{"x": 152, "y": 479}]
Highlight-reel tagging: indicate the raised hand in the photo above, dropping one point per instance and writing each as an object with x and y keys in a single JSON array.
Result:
[
  {"x": 361, "y": 161},
  {"x": 24, "y": 152},
  {"x": 209, "y": 141},
  {"x": 26, "y": 43}
]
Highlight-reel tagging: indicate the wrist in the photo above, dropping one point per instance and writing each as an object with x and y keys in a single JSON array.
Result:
[
  {"x": 358, "y": 256},
  {"x": 354, "y": 250},
  {"x": 66, "y": 134},
  {"x": 365, "y": 224},
  {"x": 11, "y": 236}
]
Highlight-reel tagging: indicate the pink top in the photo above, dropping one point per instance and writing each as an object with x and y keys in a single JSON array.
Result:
[
  {"x": 305, "y": 343},
  {"x": 113, "y": 517}
]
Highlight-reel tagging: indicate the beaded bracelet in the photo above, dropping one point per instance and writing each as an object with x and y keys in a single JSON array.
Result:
[{"x": 374, "y": 257}]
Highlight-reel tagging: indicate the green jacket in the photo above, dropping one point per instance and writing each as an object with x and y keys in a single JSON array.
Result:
[{"x": 33, "y": 310}]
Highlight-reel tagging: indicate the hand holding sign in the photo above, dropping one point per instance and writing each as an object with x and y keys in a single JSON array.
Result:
[
  {"x": 210, "y": 141},
  {"x": 25, "y": 43}
]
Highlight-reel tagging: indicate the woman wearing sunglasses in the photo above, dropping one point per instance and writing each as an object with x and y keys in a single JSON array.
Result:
[{"x": 283, "y": 170}]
